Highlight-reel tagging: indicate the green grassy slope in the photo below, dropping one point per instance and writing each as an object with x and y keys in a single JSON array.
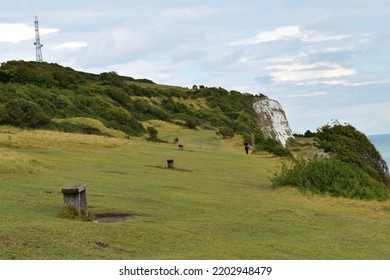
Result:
[
  {"x": 49, "y": 96},
  {"x": 220, "y": 207}
]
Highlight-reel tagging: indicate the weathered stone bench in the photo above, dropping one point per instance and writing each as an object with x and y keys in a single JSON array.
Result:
[
  {"x": 76, "y": 197},
  {"x": 171, "y": 164}
]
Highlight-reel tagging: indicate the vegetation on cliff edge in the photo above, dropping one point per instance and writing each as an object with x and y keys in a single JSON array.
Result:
[{"x": 350, "y": 166}]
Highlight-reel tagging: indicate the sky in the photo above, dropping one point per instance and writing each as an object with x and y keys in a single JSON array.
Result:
[{"x": 321, "y": 60}]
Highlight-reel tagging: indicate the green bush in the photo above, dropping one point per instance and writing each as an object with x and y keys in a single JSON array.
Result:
[
  {"x": 23, "y": 113},
  {"x": 259, "y": 139},
  {"x": 111, "y": 78},
  {"x": 153, "y": 133},
  {"x": 118, "y": 95},
  {"x": 272, "y": 146},
  {"x": 330, "y": 176},
  {"x": 146, "y": 110},
  {"x": 4, "y": 77},
  {"x": 172, "y": 106},
  {"x": 3, "y": 114},
  {"x": 349, "y": 145},
  {"x": 192, "y": 123},
  {"x": 119, "y": 115},
  {"x": 309, "y": 134},
  {"x": 63, "y": 101},
  {"x": 225, "y": 132}
]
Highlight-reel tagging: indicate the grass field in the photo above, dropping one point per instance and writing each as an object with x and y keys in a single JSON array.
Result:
[{"x": 219, "y": 204}]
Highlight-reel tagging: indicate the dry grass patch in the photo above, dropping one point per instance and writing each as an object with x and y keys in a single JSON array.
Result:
[
  {"x": 93, "y": 123},
  {"x": 13, "y": 162},
  {"x": 42, "y": 139}
]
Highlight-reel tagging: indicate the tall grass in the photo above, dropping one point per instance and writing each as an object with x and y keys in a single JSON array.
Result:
[{"x": 15, "y": 163}]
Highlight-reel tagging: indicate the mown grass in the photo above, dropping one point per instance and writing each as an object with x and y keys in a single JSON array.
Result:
[{"x": 221, "y": 207}]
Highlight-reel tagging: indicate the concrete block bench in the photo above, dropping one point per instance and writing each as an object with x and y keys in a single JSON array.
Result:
[{"x": 76, "y": 197}]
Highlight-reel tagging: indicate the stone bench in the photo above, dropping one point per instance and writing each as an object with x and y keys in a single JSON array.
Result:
[
  {"x": 171, "y": 164},
  {"x": 76, "y": 197}
]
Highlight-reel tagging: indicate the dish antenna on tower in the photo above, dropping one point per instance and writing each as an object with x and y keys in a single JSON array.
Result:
[{"x": 38, "y": 45}]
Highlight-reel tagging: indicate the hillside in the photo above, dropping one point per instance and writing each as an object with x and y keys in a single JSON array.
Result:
[{"x": 49, "y": 96}]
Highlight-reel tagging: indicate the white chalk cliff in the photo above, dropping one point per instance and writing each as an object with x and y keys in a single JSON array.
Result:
[{"x": 273, "y": 120}]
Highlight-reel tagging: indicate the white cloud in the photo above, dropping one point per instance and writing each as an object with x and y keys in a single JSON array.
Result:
[
  {"x": 355, "y": 84},
  {"x": 75, "y": 45},
  {"x": 285, "y": 58},
  {"x": 319, "y": 93},
  {"x": 277, "y": 34},
  {"x": 17, "y": 32},
  {"x": 313, "y": 36},
  {"x": 350, "y": 48},
  {"x": 289, "y": 32},
  {"x": 300, "y": 72}
]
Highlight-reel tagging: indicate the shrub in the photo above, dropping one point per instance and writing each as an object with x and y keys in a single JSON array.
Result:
[
  {"x": 133, "y": 128},
  {"x": 111, "y": 78},
  {"x": 153, "y": 135},
  {"x": 4, "y": 77},
  {"x": 309, "y": 134},
  {"x": 63, "y": 101},
  {"x": 146, "y": 110},
  {"x": 152, "y": 132},
  {"x": 225, "y": 132},
  {"x": 171, "y": 105},
  {"x": 351, "y": 146},
  {"x": 192, "y": 123},
  {"x": 274, "y": 147},
  {"x": 119, "y": 115},
  {"x": 330, "y": 176},
  {"x": 118, "y": 95},
  {"x": 25, "y": 113},
  {"x": 3, "y": 114}
]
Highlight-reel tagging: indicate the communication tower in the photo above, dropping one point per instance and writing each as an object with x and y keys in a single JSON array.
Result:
[{"x": 38, "y": 45}]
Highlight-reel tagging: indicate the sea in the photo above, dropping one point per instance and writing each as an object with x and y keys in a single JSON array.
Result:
[{"x": 382, "y": 144}]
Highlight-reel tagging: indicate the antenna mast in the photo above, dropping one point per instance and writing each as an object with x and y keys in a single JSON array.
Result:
[{"x": 38, "y": 45}]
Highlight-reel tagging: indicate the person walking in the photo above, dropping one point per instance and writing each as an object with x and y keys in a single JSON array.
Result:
[{"x": 246, "y": 146}]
